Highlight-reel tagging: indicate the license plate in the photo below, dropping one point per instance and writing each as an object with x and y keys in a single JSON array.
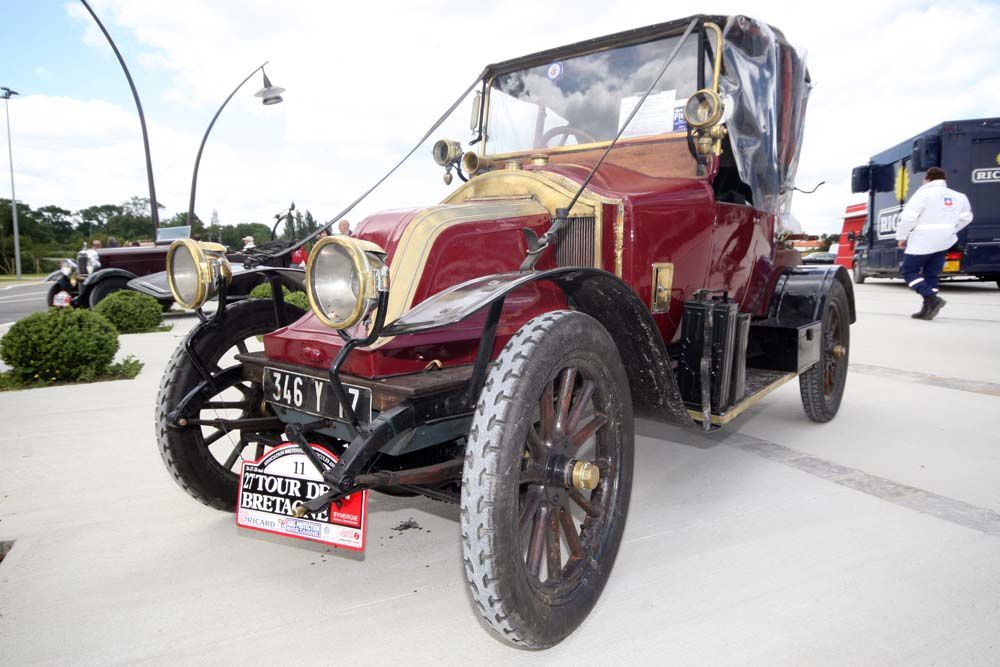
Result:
[
  {"x": 272, "y": 487},
  {"x": 314, "y": 396},
  {"x": 951, "y": 266}
]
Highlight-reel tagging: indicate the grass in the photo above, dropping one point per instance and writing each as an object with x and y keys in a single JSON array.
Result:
[{"x": 126, "y": 369}]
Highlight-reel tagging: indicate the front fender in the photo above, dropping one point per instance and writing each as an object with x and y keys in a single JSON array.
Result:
[
  {"x": 597, "y": 293},
  {"x": 96, "y": 277},
  {"x": 244, "y": 280}
]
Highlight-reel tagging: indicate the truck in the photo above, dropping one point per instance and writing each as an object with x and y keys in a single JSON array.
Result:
[
  {"x": 969, "y": 152},
  {"x": 612, "y": 249}
]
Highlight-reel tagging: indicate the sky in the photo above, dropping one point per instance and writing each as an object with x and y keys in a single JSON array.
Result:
[{"x": 365, "y": 80}]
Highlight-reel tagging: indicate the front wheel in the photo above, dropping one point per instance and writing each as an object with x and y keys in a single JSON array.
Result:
[
  {"x": 205, "y": 459},
  {"x": 859, "y": 276},
  {"x": 822, "y": 386},
  {"x": 547, "y": 479}
]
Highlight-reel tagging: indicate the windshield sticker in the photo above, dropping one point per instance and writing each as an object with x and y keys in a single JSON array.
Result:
[
  {"x": 555, "y": 70},
  {"x": 680, "y": 123},
  {"x": 655, "y": 116}
]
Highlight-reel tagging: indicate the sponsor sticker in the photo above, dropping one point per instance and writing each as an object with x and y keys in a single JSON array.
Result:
[
  {"x": 887, "y": 220},
  {"x": 272, "y": 487},
  {"x": 987, "y": 175},
  {"x": 555, "y": 70}
]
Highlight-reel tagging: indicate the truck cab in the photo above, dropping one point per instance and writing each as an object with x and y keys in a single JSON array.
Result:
[{"x": 969, "y": 151}]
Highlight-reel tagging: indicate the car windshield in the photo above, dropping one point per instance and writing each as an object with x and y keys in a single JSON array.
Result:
[
  {"x": 168, "y": 234},
  {"x": 584, "y": 99}
]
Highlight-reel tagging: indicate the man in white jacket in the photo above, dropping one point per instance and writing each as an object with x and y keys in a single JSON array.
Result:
[{"x": 928, "y": 227}]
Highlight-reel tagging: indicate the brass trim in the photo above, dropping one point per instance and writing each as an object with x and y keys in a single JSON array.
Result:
[
  {"x": 717, "y": 66},
  {"x": 357, "y": 250},
  {"x": 748, "y": 402},
  {"x": 209, "y": 261},
  {"x": 410, "y": 258},
  {"x": 663, "y": 278},
  {"x": 585, "y": 476},
  {"x": 576, "y": 148}
]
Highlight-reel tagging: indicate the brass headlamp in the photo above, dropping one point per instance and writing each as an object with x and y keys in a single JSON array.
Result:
[
  {"x": 343, "y": 278},
  {"x": 193, "y": 270},
  {"x": 704, "y": 109}
]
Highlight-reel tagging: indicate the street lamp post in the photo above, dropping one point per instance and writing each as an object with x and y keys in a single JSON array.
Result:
[
  {"x": 154, "y": 207},
  {"x": 6, "y": 94},
  {"x": 269, "y": 95}
]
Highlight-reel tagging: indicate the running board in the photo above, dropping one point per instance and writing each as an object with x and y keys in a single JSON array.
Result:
[{"x": 760, "y": 383}]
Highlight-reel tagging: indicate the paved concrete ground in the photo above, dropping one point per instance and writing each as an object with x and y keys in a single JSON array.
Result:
[
  {"x": 20, "y": 299},
  {"x": 872, "y": 540}
]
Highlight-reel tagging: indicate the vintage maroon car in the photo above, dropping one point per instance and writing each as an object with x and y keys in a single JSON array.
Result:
[
  {"x": 88, "y": 283},
  {"x": 614, "y": 251}
]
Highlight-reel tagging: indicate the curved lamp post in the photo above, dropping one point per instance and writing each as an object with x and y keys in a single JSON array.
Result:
[
  {"x": 154, "y": 212},
  {"x": 269, "y": 94}
]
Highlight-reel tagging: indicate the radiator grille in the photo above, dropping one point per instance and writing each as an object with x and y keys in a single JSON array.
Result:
[{"x": 576, "y": 243}]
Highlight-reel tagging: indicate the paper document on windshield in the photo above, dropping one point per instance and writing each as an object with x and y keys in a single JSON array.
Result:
[{"x": 656, "y": 116}]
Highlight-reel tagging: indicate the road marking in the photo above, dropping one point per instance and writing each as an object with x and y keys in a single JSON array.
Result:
[
  {"x": 36, "y": 297},
  {"x": 974, "y": 386},
  {"x": 948, "y": 509}
]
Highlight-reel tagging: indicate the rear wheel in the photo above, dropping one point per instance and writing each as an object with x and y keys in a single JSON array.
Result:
[
  {"x": 822, "y": 386},
  {"x": 104, "y": 288},
  {"x": 205, "y": 458},
  {"x": 547, "y": 479}
]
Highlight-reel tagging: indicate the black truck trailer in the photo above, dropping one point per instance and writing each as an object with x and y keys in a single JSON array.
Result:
[{"x": 969, "y": 152}]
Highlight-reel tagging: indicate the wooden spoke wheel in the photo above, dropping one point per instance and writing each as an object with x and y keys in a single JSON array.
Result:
[
  {"x": 547, "y": 479},
  {"x": 204, "y": 455},
  {"x": 822, "y": 386}
]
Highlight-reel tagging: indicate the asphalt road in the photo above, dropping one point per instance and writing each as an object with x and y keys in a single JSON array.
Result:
[
  {"x": 871, "y": 540},
  {"x": 20, "y": 299}
]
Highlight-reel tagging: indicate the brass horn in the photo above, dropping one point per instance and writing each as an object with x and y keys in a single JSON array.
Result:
[{"x": 472, "y": 163}]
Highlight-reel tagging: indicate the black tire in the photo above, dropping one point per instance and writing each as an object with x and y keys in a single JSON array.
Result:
[
  {"x": 511, "y": 512},
  {"x": 186, "y": 453},
  {"x": 859, "y": 276},
  {"x": 104, "y": 288},
  {"x": 822, "y": 386},
  {"x": 50, "y": 297}
]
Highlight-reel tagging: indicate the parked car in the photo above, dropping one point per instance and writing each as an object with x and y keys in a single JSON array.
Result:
[
  {"x": 88, "y": 282},
  {"x": 605, "y": 259},
  {"x": 820, "y": 258}
]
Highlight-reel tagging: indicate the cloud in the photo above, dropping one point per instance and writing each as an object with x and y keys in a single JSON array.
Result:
[{"x": 365, "y": 79}]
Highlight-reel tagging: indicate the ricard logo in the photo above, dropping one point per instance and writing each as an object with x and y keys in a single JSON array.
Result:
[
  {"x": 888, "y": 219},
  {"x": 987, "y": 175}
]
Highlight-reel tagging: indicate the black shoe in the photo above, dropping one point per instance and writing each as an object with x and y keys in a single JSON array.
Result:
[
  {"x": 922, "y": 313},
  {"x": 935, "y": 305}
]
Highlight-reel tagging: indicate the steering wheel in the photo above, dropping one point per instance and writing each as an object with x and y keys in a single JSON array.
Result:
[{"x": 565, "y": 131}]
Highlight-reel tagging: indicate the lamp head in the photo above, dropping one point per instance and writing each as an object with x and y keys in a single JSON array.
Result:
[
  {"x": 6, "y": 93},
  {"x": 269, "y": 94}
]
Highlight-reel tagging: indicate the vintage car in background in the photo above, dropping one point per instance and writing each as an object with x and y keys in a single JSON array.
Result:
[
  {"x": 611, "y": 253},
  {"x": 86, "y": 283}
]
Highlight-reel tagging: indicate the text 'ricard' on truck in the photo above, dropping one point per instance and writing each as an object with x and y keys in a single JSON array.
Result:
[
  {"x": 610, "y": 249},
  {"x": 969, "y": 152}
]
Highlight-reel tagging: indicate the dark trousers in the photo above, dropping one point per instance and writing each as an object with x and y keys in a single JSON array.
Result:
[{"x": 921, "y": 272}]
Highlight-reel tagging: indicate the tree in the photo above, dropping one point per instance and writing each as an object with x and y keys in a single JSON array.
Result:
[{"x": 94, "y": 219}]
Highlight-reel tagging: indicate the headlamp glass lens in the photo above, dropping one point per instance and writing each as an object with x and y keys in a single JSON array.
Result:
[
  {"x": 184, "y": 272},
  {"x": 336, "y": 283}
]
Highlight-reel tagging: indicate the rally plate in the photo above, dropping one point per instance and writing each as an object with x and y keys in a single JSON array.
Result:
[
  {"x": 314, "y": 396},
  {"x": 272, "y": 487}
]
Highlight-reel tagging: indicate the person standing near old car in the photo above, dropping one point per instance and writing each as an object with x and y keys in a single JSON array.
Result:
[
  {"x": 928, "y": 227},
  {"x": 344, "y": 227}
]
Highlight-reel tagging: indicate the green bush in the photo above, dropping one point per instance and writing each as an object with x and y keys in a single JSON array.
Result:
[
  {"x": 131, "y": 312},
  {"x": 60, "y": 344},
  {"x": 296, "y": 298}
]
